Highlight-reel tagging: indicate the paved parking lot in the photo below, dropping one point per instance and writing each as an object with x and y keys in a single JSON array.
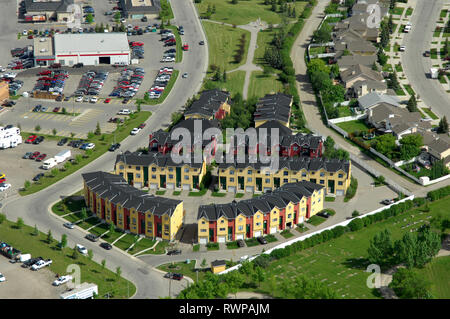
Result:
[
  {"x": 18, "y": 170},
  {"x": 23, "y": 283}
]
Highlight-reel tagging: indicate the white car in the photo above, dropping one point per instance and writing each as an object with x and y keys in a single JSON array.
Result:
[
  {"x": 41, "y": 263},
  {"x": 185, "y": 75},
  {"x": 90, "y": 146},
  {"x": 2, "y": 278},
  {"x": 62, "y": 280},
  {"x": 79, "y": 99},
  {"x": 10, "y": 75},
  {"x": 24, "y": 32},
  {"x": 124, "y": 112},
  {"x": 402, "y": 48},
  {"x": 82, "y": 249},
  {"x": 86, "y": 99},
  {"x": 135, "y": 131},
  {"x": 123, "y": 20},
  {"x": 94, "y": 99},
  {"x": 4, "y": 186}
]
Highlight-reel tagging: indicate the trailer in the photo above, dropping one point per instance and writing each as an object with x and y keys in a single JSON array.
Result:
[
  {"x": 10, "y": 137},
  {"x": 49, "y": 163},
  {"x": 62, "y": 156},
  {"x": 83, "y": 291},
  {"x": 9, "y": 251}
]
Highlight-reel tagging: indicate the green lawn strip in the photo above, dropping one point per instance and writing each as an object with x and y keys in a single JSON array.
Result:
[
  {"x": 270, "y": 238},
  {"x": 437, "y": 272},
  {"x": 261, "y": 84},
  {"x": 316, "y": 220},
  {"x": 89, "y": 222},
  {"x": 245, "y": 12},
  {"x": 251, "y": 242},
  {"x": 199, "y": 193},
  {"x": 179, "y": 44},
  {"x": 442, "y": 80},
  {"x": 239, "y": 195},
  {"x": 443, "y": 13},
  {"x": 341, "y": 263},
  {"x": 90, "y": 271},
  {"x": 185, "y": 269},
  {"x": 400, "y": 92},
  {"x": 166, "y": 11},
  {"x": 212, "y": 246},
  {"x": 352, "y": 126},
  {"x": 232, "y": 245},
  {"x": 397, "y": 11},
  {"x": 217, "y": 194},
  {"x": 437, "y": 32},
  {"x": 160, "y": 192},
  {"x": 144, "y": 243},
  {"x": 409, "y": 11},
  {"x": 330, "y": 199},
  {"x": 112, "y": 237},
  {"x": 72, "y": 218},
  {"x": 99, "y": 230},
  {"x": 223, "y": 43},
  {"x": 101, "y": 147},
  {"x": 234, "y": 83},
  {"x": 196, "y": 247},
  {"x": 164, "y": 94},
  {"x": 176, "y": 193},
  {"x": 286, "y": 233},
  {"x": 301, "y": 228},
  {"x": 398, "y": 67},
  {"x": 409, "y": 89},
  {"x": 344, "y": 111},
  {"x": 388, "y": 68},
  {"x": 433, "y": 53},
  {"x": 125, "y": 242}
]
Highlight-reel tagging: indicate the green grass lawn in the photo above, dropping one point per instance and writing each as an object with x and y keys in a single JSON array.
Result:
[
  {"x": 344, "y": 111},
  {"x": 442, "y": 80},
  {"x": 301, "y": 229},
  {"x": 125, "y": 242},
  {"x": 409, "y": 89},
  {"x": 397, "y": 11},
  {"x": 330, "y": 199},
  {"x": 90, "y": 271},
  {"x": 234, "y": 83},
  {"x": 99, "y": 230},
  {"x": 261, "y": 84},
  {"x": 287, "y": 234},
  {"x": 176, "y": 193},
  {"x": 101, "y": 147},
  {"x": 443, "y": 13},
  {"x": 217, "y": 194},
  {"x": 185, "y": 269},
  {"x": 199, "y": 193},
  {"x": 212, "y": 246},
  {"x": 239, "y": 195},
  {"x": 144, "y": 243},
  {"x": 433, "y": 53},
  {"x": 110, "y": 238},
  {"x": 437, "y": 272},
  {"x": 409, "y": 11},
  {"x": 398, "y": 67},
  {"x": 165, "y": 93},
  {"x": 352, "y": 126},
  {"x": 263, "y": 41},
  {"x": 316, "y": 50},
  {"x": 244, "y": 11},
  {"x": 251, "y": 242},
  {"x": 160, "y": 192},
  {"x": 232, "y": 245},
  {"x": 223, "y": 43},
  {"x": 388, "y": 68},
  {"x": 316, "y": 220},
  {"x": 437, "y": 32},
  {"x": 400, "y": 92},
  {"x": 341, "y": 263},
  {"x": 196, "y": 247},
  {"x": 270, "y": 238}
]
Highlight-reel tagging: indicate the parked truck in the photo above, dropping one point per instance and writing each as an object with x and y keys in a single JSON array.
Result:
[
  {"x": 51, "y": 162},
  {"x": 62, "y": 156},
  {"x": 9, "y": 251}
]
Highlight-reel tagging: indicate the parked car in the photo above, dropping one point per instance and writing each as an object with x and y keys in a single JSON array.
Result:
[
  {"x": 41, "y": 157},
  {"x": 31, "y": 262},
  {"x": 124, "y": 112},
  {"x": 34, "y": 155},
  {"x": 62, "y": 280},
  {"x": 56, "y": 109},
  {"x": 175, "y": 276},
  {"x": 31, "y": 139},
  {"x": 185, "y": 75},
  {"x": 91, "y": 237},
  {"x": 174, "y": 252},
  {"x": 41, "y": 264},
  {"x": 107, "y": 100},
  {"x": 135, "y": 131},
  {"x": 106, "y": 246},
  {"x": 69, "y": 225},
  {"x": 388, "y": 201},
  {"x": 240, "y": 243},
  {"x": 83, "y": 250},
  {"x": 323, "y": 214},
  {"x": 62, "y": 141},
  {"x": 142, "y": 125},
  {"x": 27, "y": 155},
  {"x": 38, "y": 140},
  {"x": 2, "y": 278},
  {"x": 38, "y": 177},
  {"x": 4, "y": 186},
  {"x": 201, "y": 42},
  {"x": 262, "y": 240},
  {"x": 402, "y": 48},
  {"x": 113, "y": 147}
]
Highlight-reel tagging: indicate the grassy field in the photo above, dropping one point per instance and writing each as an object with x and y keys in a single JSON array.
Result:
[
  {"x": 261, "y": 84},
  {"x": 438, "y": 273},
  {"x": 352, "y": 126},
  {"x": 90, "y": 271},
  {"x": 244, "y": 11},
  {"x": 341, "y": 263},
  {"x": 223, "y": 43},
  {"x": 101, "y": 147},
  {"x": 264, "y": 40},
  {"x": 234, "y": 83}
]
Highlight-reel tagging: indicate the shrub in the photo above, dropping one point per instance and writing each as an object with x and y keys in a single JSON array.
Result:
[
  {"x": 356, "y": 224},
  {"x": 338, "y": 231}
]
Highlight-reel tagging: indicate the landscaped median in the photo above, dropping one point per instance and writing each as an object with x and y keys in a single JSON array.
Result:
[
  {"x": 26, "y": 240},
  {"x": 147, "y": 101},
  {"x": 74, "y": 210},
  {"x": 102, "y": 143}
]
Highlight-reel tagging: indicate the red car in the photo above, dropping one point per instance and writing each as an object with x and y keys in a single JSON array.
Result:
[
  {"x": 56, "y": 109},
  {"x": 136, "y": 44},
  {"x": 142, "y": 125},
  {"x": 46, "y": 72},
  {"x": 31, "y": 139},
  {"x": 34, "y": 155},
  {"x": 30, "y": 36},
  {"x": 41, "y": 157},
  {"x": 107, "y": 100}
]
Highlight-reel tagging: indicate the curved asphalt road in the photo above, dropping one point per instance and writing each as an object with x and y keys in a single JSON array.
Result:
[
  {"x": 415, "y": 65},
  {"x": 34, "y": 209}
]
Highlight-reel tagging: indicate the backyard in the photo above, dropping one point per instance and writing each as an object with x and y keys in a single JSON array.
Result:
[{"x": 352, "y": 126}]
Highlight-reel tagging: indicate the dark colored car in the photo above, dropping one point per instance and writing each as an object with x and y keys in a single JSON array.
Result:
[
  {"x": 113, "y": 147},
  {"x": 174, "y": 252},
  {"x": 62, "y": 142},
  {"x": 125, "y": 100},
  {"x": 56, "y": 109},
  {"x": 59, "y": 98},
  {"x": 323, "y": 214},
  {"x": 240, "y": 243},
  {"x": 38, "y": 177},
  {"x": 37, "y": 108},
  {"x": 175, "y": 276},
  {"x": 31, "y": 262},
  {"x": 38, "y": 140},
  {"x": 142, "y": 125},
  {"x": 106, "y": 246},
  {"x": 78, "y": 65},
  {"x": 201, "y": 42},
  {"x": 91, "y": 237},
  {"x": 262, "y": 240},
  {"x": 27, "y": 155},
  {"x": 67, "y": 98}
]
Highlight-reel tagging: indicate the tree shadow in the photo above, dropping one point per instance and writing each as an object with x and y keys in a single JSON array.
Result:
[{"x": 356, "y": 263}]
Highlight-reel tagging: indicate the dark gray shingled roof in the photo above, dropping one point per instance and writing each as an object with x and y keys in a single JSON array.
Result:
[
  {"x": 128, "y": 7},
  {"x": 159, "y": 159},
  {"x": 274, "y": 107},
  {"x": 208, "y": 103},
  {"x": 59, "y": 6},
  {"x": 291, "y": 192},
  {"x": 118, "y": 191}
]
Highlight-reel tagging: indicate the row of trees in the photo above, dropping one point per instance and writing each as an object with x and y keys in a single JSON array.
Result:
[{"x": 241, "y": 49}]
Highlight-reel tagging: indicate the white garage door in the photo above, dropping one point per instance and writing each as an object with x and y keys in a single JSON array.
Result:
[
  {"x": 137, "y": 185},
  {"x": 241, "y": 236},
  {"x": 203, "y": 241},
  {"x": 340, "y": 193},
  {"x": 249, "y": 189},
  {"x": 231, "y": 189},
  {"x": 257, "y": 233},
  {"x": 186, "y": 187},
  {"x": 273, "y": 230},
  {"x": 221, "y": 239},
  {"x": 301, "y": 219},
  {"x": 170, "y": 186}
]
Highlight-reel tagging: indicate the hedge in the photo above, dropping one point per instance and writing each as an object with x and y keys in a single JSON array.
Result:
[{"x": 439, "y": 193}]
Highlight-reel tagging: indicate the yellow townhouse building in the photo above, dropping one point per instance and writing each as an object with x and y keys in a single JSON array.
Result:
[
  {"x": 333, "y": 174},
  {"x": 112, "y": 199},
  {"x": 156, "y": 170},
  {"x": 291, "y": 204}
]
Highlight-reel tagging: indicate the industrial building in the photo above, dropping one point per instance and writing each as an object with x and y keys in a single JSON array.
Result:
[
  {"x": 89, "y": 49},
  {"x": 137, "y": 9},
  {"x": 48, "y": 10}
]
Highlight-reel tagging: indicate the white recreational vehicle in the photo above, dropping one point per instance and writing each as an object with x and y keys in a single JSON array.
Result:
[{"x": 10, "y": 137}]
